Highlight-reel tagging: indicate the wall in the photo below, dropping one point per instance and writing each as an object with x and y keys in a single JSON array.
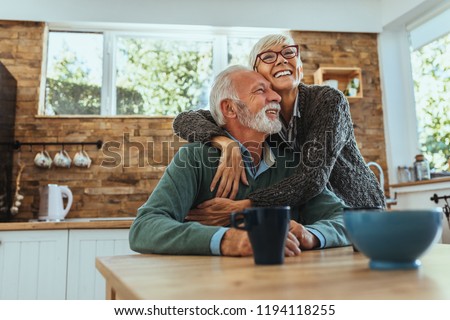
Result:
[
  {"x": 98, "y": 191},
  {"x": 352, "y": 50},
  {"x": 392, "y": 10},
  {"x": 120, "y": 189}
]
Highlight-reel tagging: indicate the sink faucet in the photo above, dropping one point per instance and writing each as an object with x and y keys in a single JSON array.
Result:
[
  {"x": 380, "y": 172},
  {"x": 389, "y": 201}
]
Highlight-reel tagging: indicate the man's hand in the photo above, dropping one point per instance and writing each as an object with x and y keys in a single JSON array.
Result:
[
  {"x": 235, "y": 243},
  {"x": 216, "y": 212},
  {"x": 292, "y": 247},
  {"x": 307, "y": 239}
]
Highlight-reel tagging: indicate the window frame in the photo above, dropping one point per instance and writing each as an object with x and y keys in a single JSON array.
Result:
[
  {"x": 421, "y": 32},
  {"x": 218, "y": 37}
]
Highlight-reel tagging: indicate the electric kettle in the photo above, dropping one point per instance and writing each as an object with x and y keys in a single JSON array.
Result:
[{"x": 51, "y": 206}]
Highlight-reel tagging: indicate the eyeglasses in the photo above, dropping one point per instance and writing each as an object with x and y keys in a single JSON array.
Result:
[{"x": 270, "y": 56}]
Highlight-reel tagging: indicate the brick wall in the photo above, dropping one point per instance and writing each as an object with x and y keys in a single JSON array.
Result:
[
  {"x": 146, "y": 145},
  {"x": 360, "y": 50}
]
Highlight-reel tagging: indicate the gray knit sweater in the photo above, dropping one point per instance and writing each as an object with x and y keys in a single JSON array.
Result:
[{"x": 326, "y": 141}]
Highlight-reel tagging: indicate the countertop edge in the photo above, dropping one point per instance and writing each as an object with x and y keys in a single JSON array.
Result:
[
  {"x": 417, "y": 183},
  {"x": 18, "y": 226}
]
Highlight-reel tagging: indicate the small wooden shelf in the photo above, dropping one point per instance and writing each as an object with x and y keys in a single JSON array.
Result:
[{"x": 343, "y": 75}]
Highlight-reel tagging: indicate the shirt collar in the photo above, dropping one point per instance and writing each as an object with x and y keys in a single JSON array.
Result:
[
  {"x": 296, "y": 112},
  {"x": 267, "y": 161}
]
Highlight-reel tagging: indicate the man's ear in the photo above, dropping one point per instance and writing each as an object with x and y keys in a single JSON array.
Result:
[{"x": 228, "y": 108}]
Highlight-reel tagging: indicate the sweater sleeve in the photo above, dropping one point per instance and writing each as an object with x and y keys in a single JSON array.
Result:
[
  {"x": 196, "y": 126},
  {"x": 159, "y": 226},
  {"x": 330, "y": 128},
  {"x": 324, "y": 214}
]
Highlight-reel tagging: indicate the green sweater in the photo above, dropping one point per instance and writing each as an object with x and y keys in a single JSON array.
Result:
[{"x": 160, "y": 227}]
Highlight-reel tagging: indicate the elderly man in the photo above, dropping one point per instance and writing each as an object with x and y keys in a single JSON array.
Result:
[{"x": 244, "y": 104}]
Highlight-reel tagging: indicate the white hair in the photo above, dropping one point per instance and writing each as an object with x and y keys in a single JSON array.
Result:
[
  {"x": 223, "y": 88},
  {"x": 268, "y": 42}
]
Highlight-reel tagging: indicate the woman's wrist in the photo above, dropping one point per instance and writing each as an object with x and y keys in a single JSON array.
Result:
[
  {"x": 243, "y": 204},
  {"x": 222, "y": 142}
]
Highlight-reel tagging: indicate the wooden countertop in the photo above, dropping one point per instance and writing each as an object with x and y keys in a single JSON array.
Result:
[
  {"x": 337, "y": 273},
  {"x": 95, "y": 224},
  {"x": 418, "y": 183}
]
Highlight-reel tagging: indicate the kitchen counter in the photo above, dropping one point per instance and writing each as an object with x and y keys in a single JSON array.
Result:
[
  {"x": 87, "y": 223},
  {"x": 419, "y": 183},
  {"x": 421, "y": 195}
]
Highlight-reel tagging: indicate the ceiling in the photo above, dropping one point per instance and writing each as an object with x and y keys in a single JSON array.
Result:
[{"x": 319, "y": 15}]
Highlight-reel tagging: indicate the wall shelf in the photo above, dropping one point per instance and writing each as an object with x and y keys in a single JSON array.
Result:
[{"x": 343, "y": 75}]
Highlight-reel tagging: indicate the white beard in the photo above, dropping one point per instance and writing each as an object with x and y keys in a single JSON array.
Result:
[{"x": 260, "y": 122}]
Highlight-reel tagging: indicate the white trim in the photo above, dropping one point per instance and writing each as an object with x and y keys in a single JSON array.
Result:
[
  {"x": 400, "y": 121},
  {"x": 424, "y": 32},
  {"x": 42, "y": 95},
  {"x": 164, "y": 29},
  {"x": 220, "y": 60},
  {"x": 108, "y": 100},
  {"x": 427, "y": 16}
]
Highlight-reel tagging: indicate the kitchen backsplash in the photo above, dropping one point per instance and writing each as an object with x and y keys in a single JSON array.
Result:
[{"x": 137, "y": 149}]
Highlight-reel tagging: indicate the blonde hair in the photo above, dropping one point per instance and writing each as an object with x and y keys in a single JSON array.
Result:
[{"x": 267, "y": 42}]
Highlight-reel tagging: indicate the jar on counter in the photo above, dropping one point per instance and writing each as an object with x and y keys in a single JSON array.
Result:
[
  {"x": 404, "y": 175},
  {"x": 422, "y": 168},
  {"x": 412, "y": 173}
]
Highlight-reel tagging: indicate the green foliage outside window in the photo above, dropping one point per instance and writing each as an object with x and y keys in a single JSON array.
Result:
[
  {"x": 152, "y": 77},
  {"x": 171, "y": 76},
  {"x": 431, "y": 74}
]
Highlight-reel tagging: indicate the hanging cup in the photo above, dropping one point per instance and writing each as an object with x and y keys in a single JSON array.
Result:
[
  {"x": 82, "y": 160},
  {"x": 43, "y": 160},
  {"x": 62, "y": 159}
]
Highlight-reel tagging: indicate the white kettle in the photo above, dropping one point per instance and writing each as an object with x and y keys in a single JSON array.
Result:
[{"x": 51, "y": 206}]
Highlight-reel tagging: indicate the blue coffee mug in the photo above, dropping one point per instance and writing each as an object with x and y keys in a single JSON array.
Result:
[{"x": 267, "y": 230}]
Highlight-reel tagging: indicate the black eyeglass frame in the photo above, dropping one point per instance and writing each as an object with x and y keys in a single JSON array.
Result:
[{"x": 258, "y": 56}]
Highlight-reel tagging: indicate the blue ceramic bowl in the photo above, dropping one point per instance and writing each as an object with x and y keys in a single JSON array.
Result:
[{"x": 393, "y": 239}]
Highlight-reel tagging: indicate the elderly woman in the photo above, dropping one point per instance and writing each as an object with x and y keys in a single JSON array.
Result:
[{"x": 316, "y": 122}]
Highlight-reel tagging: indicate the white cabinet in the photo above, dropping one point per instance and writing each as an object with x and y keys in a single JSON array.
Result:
[
  {"x": 418, "y": 195},
  {"x": 56, "y": 264},
  {"x": 33, "y": 264},
  {"x": 83, "y": 279}
]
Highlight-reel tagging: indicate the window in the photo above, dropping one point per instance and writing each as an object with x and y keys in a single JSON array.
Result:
[
  {"x": 161, "y": 76},
  {"x": 430, "y": 61},
  {"x": 74, "y": 73},
  {"x": 137, "y": 73}
]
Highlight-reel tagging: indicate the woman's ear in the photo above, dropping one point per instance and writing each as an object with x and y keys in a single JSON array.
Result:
[
  {"x": 300, "y": 72},
  {"x": 228, "y": 108}
]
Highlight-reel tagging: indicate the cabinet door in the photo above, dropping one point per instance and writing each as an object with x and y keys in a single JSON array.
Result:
[
  {"x": 33, "y": 264},
  {"x": 419, "y": 196},
  {"x": 84, "y": 281}
]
